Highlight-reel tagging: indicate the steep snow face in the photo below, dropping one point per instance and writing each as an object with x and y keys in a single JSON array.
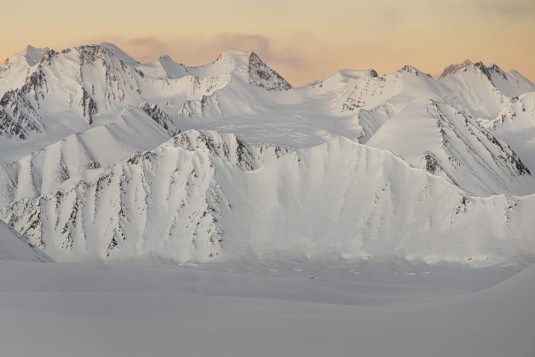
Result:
[
  {"x": 195, "y": 198},
  {"x": 341, "y": 78},
  {"x": 518, "y": 115},
  {"x": 398, "y": 89},
  {"x": 449, "y": 143},
  {"x": 165, "y": 67},
  {"x": 515, "y": 124},
  {"x": 345, "y": 199},
  {"x": 164, "y": 203},
  {"x": 160, "y": 117},
  {"x": 369, "y": 121},
  {"x": 244, "y": 65},
  {"x": 510, "y": 84},
  {"x": 17, "y": 68},
  {"x": 18, "y": 118},
  {"x": 370, "y": 100},
  {"x": 120, "y": 54},
  {"x": 454, "y": 68},
  {"x": 483, "y": 90},
  {"x": 44, "y": 170},
  {"x": 15, "y": 247}
]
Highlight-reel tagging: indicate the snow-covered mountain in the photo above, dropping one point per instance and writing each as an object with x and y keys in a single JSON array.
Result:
[
  {"x": 450, "y": 143},
  {"x": 108, "y": 158},
  {"x": 483, "y": 91},
  {"x": 203, "y": 194}
]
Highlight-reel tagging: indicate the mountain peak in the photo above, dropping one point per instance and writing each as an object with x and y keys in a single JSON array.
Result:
[
  {"x": 494, "y": 68},
  {"x": 413, "y": 70},
  {"x": 355, "y": 74},
  {"x": 486, "y": 70},
  {"x": 233, "y": 55},
  {"x": 171, "y": 68},
  {"x": 117, "y": 52},
  {"x": 166, "y": 58},
  {"x": 251, "y": 68},
  {"x": 262, "y": 75},
  {"x": 454, "y": 68},
  {"x": 480, "y": 66}
]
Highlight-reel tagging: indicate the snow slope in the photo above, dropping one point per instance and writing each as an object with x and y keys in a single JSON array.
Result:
[{"x": 14, "y": 247}]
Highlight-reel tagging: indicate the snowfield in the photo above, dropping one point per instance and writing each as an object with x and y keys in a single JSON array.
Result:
[
  {"x": 160, "y": 209},
  {"x": 282, "y": 310}
]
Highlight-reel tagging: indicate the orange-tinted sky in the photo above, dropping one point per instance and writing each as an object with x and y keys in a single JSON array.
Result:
[{"x": 302, "y": 39}]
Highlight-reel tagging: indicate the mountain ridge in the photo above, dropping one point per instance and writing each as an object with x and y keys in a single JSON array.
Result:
[{"x": 107, "y": 158}]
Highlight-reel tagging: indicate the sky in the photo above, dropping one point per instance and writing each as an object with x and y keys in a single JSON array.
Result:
[{"x": 304, "y": 40}]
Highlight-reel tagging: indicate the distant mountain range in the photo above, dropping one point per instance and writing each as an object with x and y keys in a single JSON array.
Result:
[{"x": 105, "y": 158}]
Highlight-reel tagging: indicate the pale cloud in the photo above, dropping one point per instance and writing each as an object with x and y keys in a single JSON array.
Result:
[
  {"x": 143, "y": 48},
  {"x": 143, "y": 41},
  {"x": 509, "y": 8}
]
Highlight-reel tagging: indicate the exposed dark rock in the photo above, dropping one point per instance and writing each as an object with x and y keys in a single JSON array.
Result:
[
  {"x": 261, "y": 75},
  {"x": 18, "y": 118}
]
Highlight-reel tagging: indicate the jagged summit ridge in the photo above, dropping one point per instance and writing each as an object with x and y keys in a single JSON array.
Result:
[
  {"x": 467, "y": 64},
  {"x": 247, "y": 66}
]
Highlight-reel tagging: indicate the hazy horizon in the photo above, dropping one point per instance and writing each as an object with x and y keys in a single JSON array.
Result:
[{"x": 302, "y": 40}]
